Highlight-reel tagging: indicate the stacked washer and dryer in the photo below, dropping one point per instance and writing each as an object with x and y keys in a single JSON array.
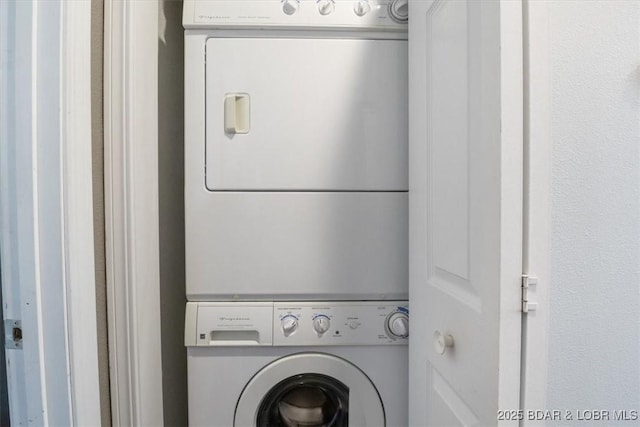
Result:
[{"x": 296, "y": 210}]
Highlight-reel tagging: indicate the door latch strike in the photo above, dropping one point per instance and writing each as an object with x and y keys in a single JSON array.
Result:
[{"x": 13, "y": 334}]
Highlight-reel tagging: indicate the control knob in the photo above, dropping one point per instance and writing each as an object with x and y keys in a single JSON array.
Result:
[
  {"x": 361, "y": 7},
  {"x": 398, "y": 325},
  {"x": 399, "y": 11},
  {"x": 289, "y": 324},
  {"x": 290, "y": 7},
  {"x": 325, "y": 7},
  {"x": 321, "y": 324}
]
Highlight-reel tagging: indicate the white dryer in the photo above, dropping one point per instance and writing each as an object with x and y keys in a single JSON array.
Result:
[
  {"x": 297, "y": 364},
  {"x": 296, "y": 163}
]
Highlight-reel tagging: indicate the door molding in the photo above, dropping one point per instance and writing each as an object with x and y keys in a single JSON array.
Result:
[
  {"x": 537, "y": 204},
  {"x": 131, "y": 211},
  {"x": 46, "y": 207},
  {"x": 77, "y": 208}
]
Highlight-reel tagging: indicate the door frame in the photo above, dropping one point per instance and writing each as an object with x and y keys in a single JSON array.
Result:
[
  {"x": 132, "y": 212},
  {"x": 46, "y": 209},
  {"x": 537, "y": 204}
]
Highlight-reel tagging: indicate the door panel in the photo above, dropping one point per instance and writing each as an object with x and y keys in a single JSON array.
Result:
[
  {"x": 465, "y": 186},
  {"x": 319, "y": 114},
  {"x": 448, "y": 408}
]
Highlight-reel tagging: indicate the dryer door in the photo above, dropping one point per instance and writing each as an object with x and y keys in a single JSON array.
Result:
[
  {"x": 310, "y": 389},
  {"x": 306, "y": 114}
]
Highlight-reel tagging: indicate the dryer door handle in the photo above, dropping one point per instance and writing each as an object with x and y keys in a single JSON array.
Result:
[{"x": 237, "y": 113}]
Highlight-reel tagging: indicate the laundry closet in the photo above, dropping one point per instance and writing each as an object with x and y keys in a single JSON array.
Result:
[
  {"x": 478, "y": 90},
  {"x": 521, "y": 198},
  {"x": 313, "y": 178}
]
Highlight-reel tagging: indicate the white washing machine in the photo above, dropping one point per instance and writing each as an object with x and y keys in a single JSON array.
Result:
[
  {"x": 296, "y": 163},
  {"x": 297, "y": 364}
]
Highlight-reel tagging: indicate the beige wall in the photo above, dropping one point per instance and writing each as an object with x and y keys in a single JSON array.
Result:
[
  {"x": 97, "y": 131},
  {"x": 171, "y": 201}
]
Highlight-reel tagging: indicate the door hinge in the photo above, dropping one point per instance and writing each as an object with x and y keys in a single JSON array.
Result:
[
  {"x": 527, "y": 303},
  {"x": 13, "y": 334}
]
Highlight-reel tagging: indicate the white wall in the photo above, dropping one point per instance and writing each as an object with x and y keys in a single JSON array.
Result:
[{"x": 594, "y": 355}]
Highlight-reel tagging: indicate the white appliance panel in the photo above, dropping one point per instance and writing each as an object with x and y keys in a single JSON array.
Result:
[
  {"x": 295, "y": 323},
  {"x": 217, "y": 377},
  {"x": 271, "y": 14},
  {"x": 224, "y": 379},
  {"x": 360, "y": 323},
  {"x": 228, "y": 324},
  {"x": 323, "y": 114},
  {"x": 286, "y": 245}
]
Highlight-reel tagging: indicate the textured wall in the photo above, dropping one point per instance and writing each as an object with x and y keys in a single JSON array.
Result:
[{"x": 594, "y": 358}]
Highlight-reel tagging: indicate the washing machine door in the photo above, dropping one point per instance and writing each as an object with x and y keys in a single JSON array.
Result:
[{"x": 311, "y": 390}]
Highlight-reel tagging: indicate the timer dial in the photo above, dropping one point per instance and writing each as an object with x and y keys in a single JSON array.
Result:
[
  {"x": 399, "y": 11},
  {"x": 289, "y": 324},
  {"x": 325, "y": 7},
  {"x": 397, "y": 325},
  {"x": 289, "y": 7},
  {"x": 321, "y": 324},
  {"x": 361, "y": 7}
]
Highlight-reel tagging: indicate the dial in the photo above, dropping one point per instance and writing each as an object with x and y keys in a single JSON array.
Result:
[
  {"x": 289, "y": 324},
  {"x": 398, "y": 325},
  {"x": 399, "y": 11},
  {"x": 325, "y": 7},
  {"x": 361, "y": 7},
  {"x": 321, "y": 324},
  {"x": 290, "y": 7}
]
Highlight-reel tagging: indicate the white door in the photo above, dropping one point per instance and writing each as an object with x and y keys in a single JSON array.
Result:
[{"x": 465, "y": 86}]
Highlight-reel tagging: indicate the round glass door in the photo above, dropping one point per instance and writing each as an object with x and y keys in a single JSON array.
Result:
[
  {"x": 309, "y": 399},
  {"x": 309, "y": 390}
]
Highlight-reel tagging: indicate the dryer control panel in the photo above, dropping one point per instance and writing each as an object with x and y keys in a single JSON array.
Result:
[
  {"x": 297, "y": 323},
  {"x": 388, "y": 15}
]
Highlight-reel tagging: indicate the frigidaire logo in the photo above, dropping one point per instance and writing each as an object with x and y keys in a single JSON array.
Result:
[{"x": 227, "y": 319}]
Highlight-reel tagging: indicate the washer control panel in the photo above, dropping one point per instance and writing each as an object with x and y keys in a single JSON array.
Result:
[
  {"x": 296, "y": 323},
  {"x": 391, "y": 15},
  {"x": 344, "y": 323}
]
